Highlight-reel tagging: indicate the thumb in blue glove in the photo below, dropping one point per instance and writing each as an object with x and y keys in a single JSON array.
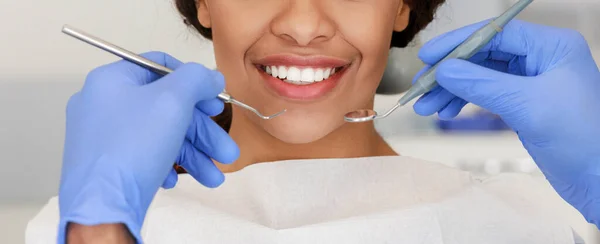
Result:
[
  {"x": 544, "y": 83},
  {"x": 126, "y": 128}
]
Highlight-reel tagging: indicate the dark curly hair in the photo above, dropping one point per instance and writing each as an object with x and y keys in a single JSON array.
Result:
[{"x": 421, "y": 14}]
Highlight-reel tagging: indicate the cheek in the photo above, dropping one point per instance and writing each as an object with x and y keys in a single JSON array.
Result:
[
  {"x": 369, "y": 30},
  {"x": 231, "y": 42}
]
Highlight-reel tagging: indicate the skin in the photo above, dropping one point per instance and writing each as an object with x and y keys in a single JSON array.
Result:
[
  {"x": 99, "y": 234},
  {"x": 355, "y": 31}
]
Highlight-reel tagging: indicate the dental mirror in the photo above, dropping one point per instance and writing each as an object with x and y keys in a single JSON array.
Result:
[{"x": 365, "y": 115}]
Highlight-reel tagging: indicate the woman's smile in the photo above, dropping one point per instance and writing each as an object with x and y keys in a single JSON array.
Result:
[
  {"x": 317, "y": 59},
  {"x": 301, "y": 78}
]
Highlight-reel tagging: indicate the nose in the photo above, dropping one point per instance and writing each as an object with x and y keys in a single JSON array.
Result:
[{"x": 303, "y": 22}]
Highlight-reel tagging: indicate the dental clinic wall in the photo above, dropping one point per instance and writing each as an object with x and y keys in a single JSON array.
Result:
[
  {"x": 41, "y": 67},
  {"x": 33, "y": 45}
]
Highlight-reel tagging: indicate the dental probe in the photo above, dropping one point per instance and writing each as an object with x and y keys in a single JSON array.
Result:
[
  {"x": 141, "y": 61},
  {"x": 466, "y": 50}
]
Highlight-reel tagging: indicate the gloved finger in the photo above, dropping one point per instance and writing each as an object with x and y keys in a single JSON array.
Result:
[
  {"x": 211, "y": 107},
  {"x": 191, "y": 83},
  {"x": 505, "y": 45},
  {"x": 494, "y": 55},
  {"x": 200, "y": 166},
  {"x": 495, "y": 61},
  {"x": 452, "y": 109},
  {"x": 433, "y": 101},
  {"x": 518, "y": 38},
  {"x": 208, "y": 137},
  {"x": 446, "y": 104},
  {"x": 499, "y": 66},
  {"x": 492, "y": 90},
  {"x": 159, "y": 58},
  {"x": 171, "y": 180},
  {"x": 439, "y": 47}
]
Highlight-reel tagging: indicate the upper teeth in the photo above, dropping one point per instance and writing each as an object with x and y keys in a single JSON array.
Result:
[{"x": 300, "y": 75}]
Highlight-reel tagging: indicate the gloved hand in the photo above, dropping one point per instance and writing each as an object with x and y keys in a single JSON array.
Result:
[
  {"x": 543, "y": 82},
  {"x": 126, "y": 128}
]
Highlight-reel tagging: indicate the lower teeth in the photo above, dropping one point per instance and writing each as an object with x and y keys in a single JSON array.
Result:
[{"x": 298, "y": 82}]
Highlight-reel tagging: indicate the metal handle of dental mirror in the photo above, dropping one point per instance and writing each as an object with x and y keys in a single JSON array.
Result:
[
  {"x": 465, "y": 50},
  {"x": 146, "y": 63}
]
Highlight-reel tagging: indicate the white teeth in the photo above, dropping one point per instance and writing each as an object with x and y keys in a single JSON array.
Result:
[
  {"x": 294, "y": 74},
  {"x": 326, "y": 73},
  {"x": 308, "y": 75},
  {"x": 319, "y": 75},
  {"x": 282, "y": 71},
  {"x": 300, "y": 76}
]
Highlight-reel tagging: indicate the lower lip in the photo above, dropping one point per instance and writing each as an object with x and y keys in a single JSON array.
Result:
[{"x": 303, "y": 92}]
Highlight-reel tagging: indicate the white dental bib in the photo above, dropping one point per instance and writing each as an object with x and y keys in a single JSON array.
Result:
[{"x": 363, "y": 200}]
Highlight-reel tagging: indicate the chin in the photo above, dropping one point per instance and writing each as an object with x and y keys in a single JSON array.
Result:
[{"x": 300, "y": 130}]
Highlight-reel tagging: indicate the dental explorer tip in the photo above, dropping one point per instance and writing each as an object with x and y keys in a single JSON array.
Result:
[
  {"x": 247, "y": 107},
  {"x": 272, "y": 116}
]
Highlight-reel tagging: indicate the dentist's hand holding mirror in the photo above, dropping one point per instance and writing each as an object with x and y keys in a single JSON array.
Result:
[{"x": 544, "y": 83}]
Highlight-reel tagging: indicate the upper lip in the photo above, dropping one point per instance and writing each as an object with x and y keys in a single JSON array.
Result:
[{"x": 302, "y": 61}]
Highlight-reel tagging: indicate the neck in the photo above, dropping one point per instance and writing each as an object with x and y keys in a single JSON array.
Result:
[{"x": 349, "y": 141}]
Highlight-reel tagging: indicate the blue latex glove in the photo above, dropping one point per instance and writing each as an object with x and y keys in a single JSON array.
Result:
[
  {"x": 545, "y": 85},
  {"x": 126, "y": 128}
]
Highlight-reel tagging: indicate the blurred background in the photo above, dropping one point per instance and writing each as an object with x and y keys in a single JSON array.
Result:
[{"x": 41, "y": 68}]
